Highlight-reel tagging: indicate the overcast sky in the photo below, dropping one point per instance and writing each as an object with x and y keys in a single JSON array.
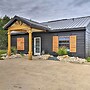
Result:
[{"x": 45, "y": 10}]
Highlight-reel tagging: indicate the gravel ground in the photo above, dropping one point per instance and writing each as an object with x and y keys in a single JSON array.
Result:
[{"x": 22, "y": 74}]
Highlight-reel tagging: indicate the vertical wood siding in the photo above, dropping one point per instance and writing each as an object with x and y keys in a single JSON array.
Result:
[
  {"x": 73, "y": 43},
  {"x": 20, "y": 43}
]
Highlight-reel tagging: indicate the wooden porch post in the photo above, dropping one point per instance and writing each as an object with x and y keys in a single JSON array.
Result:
[
  {"x": 9, "y": 43},
  {"x": 30, "y": 45}
]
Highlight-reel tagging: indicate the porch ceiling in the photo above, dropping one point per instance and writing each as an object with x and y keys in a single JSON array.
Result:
[{"x": 25, "y": 31}]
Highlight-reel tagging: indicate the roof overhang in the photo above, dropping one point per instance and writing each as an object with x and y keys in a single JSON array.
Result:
[
  {"x": 35, "y": 25},
  {"x": 68, "y": 29}
]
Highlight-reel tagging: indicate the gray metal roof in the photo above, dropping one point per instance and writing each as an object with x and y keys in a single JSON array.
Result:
[
  {"x": 72, "y": 23},
  {"x": 56, "y": 25}
]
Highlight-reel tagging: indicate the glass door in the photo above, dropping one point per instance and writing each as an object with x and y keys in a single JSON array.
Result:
[{"x": 37, "y": 45}]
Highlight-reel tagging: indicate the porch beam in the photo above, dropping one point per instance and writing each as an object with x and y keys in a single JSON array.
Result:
[{"x": 21, "y": 30}]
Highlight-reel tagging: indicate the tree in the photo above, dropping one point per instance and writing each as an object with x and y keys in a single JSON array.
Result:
[
  {"x": 3, "y": 21},
  {"x": 3, "y": 33},
  {"x": 3, "y": 39}
]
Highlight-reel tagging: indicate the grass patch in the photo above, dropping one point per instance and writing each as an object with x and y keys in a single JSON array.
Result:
[
  {"x": 3, "y": 51},
  {"x": 1, "y": 57},
  {"x": 88, "y": 59}
]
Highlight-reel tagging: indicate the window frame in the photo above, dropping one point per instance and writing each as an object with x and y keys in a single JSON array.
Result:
[{"x": 63, "y": 44}]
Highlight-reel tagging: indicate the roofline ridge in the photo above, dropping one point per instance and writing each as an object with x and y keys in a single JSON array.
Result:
[{"x": 66, "y": 19}]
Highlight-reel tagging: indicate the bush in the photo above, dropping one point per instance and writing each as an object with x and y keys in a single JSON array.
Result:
[
  {"x": 88, "y": 59},
  {"x": 3, "y": 39},
  {"x": 21, "y": 54},
  {"x": 3, "y": 52},
  {"x": 62, "y": 51},
  {"x": 13, "y": 50}
]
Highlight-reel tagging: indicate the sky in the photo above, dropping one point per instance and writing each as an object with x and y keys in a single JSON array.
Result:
[{"x": 45, "y": 10}]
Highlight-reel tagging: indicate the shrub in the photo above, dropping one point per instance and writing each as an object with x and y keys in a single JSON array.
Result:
[
  {"x": 21, "y": 54},
  {"x": 62, "y": 51},
  {"x": 1, "y": 57},
  {"x": 88, "y": 59},
  {"x": 13, "y": 50},
  {"x": 3, "y": 52}
]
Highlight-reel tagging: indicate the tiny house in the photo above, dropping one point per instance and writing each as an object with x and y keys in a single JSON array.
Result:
[{"x": 48, "y": 36}]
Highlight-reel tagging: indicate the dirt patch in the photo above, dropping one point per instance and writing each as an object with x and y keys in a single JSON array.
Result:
[{"x": 22, "y": 74}]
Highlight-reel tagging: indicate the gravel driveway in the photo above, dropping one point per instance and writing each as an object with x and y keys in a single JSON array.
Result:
[{"x": 22, "y": 74}]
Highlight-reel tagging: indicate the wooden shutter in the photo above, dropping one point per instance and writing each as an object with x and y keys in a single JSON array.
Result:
[
  {"x": 55, "y": 43},
  {"x": 73, "y": 43},
  {"x": 20, "y": 43}
]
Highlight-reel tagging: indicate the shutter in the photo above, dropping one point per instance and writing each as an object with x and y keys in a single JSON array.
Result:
[
  {"x": 73, "y": 43},
  {"x": 55, "y": 43},
  {"x": 20, "y": 43}
]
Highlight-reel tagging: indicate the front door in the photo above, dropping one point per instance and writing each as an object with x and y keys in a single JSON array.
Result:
[{"x": 37, "y": 45}]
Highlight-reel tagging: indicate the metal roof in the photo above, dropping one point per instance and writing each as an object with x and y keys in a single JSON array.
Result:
[
  {"x": 56, "y": 25},
  {"x": 66, "y": 24}
]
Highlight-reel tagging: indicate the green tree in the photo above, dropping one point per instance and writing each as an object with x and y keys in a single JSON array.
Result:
[
  {"x": 3, "y": 39},
  {"x": 3, "y": 21},
  {"x": 3, "y": 33}
]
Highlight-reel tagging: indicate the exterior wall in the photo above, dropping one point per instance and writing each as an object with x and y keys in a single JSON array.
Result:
[
  {"x": 87, "y": 36},
  {"x": 80, "y": 43},
  {"x": 46, "y": 41}
]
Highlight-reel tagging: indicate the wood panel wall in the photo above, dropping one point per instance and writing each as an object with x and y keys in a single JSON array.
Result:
[
  {"x": 73, "y": 43},
  {"x": 20, "y": 43},
  {"x": 55, "y": 43}
]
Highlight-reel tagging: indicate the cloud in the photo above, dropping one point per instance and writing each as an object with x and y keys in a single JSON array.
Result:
[
  {"x": 34, "y": 9},
  {"x": 79, "y": 2},
  {"x": 44, "y": 10}
]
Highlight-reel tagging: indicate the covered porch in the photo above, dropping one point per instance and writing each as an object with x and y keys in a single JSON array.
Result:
[{"x": 19, "y": 24}]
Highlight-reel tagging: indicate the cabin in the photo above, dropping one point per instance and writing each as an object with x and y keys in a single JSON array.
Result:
[{"x": 34, "y": 37}]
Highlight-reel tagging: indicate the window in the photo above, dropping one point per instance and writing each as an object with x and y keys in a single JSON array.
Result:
[{"x": 64, "y": 41}]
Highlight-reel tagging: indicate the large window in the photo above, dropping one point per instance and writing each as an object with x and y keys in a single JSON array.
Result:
[{"x": 64, "y": 41}]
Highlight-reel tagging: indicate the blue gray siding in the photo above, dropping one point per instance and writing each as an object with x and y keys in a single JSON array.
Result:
[
  {"x": 14, "y": 42},
  {"x": 46, "y": 41},
  {"x": 87, "y": 36}
]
